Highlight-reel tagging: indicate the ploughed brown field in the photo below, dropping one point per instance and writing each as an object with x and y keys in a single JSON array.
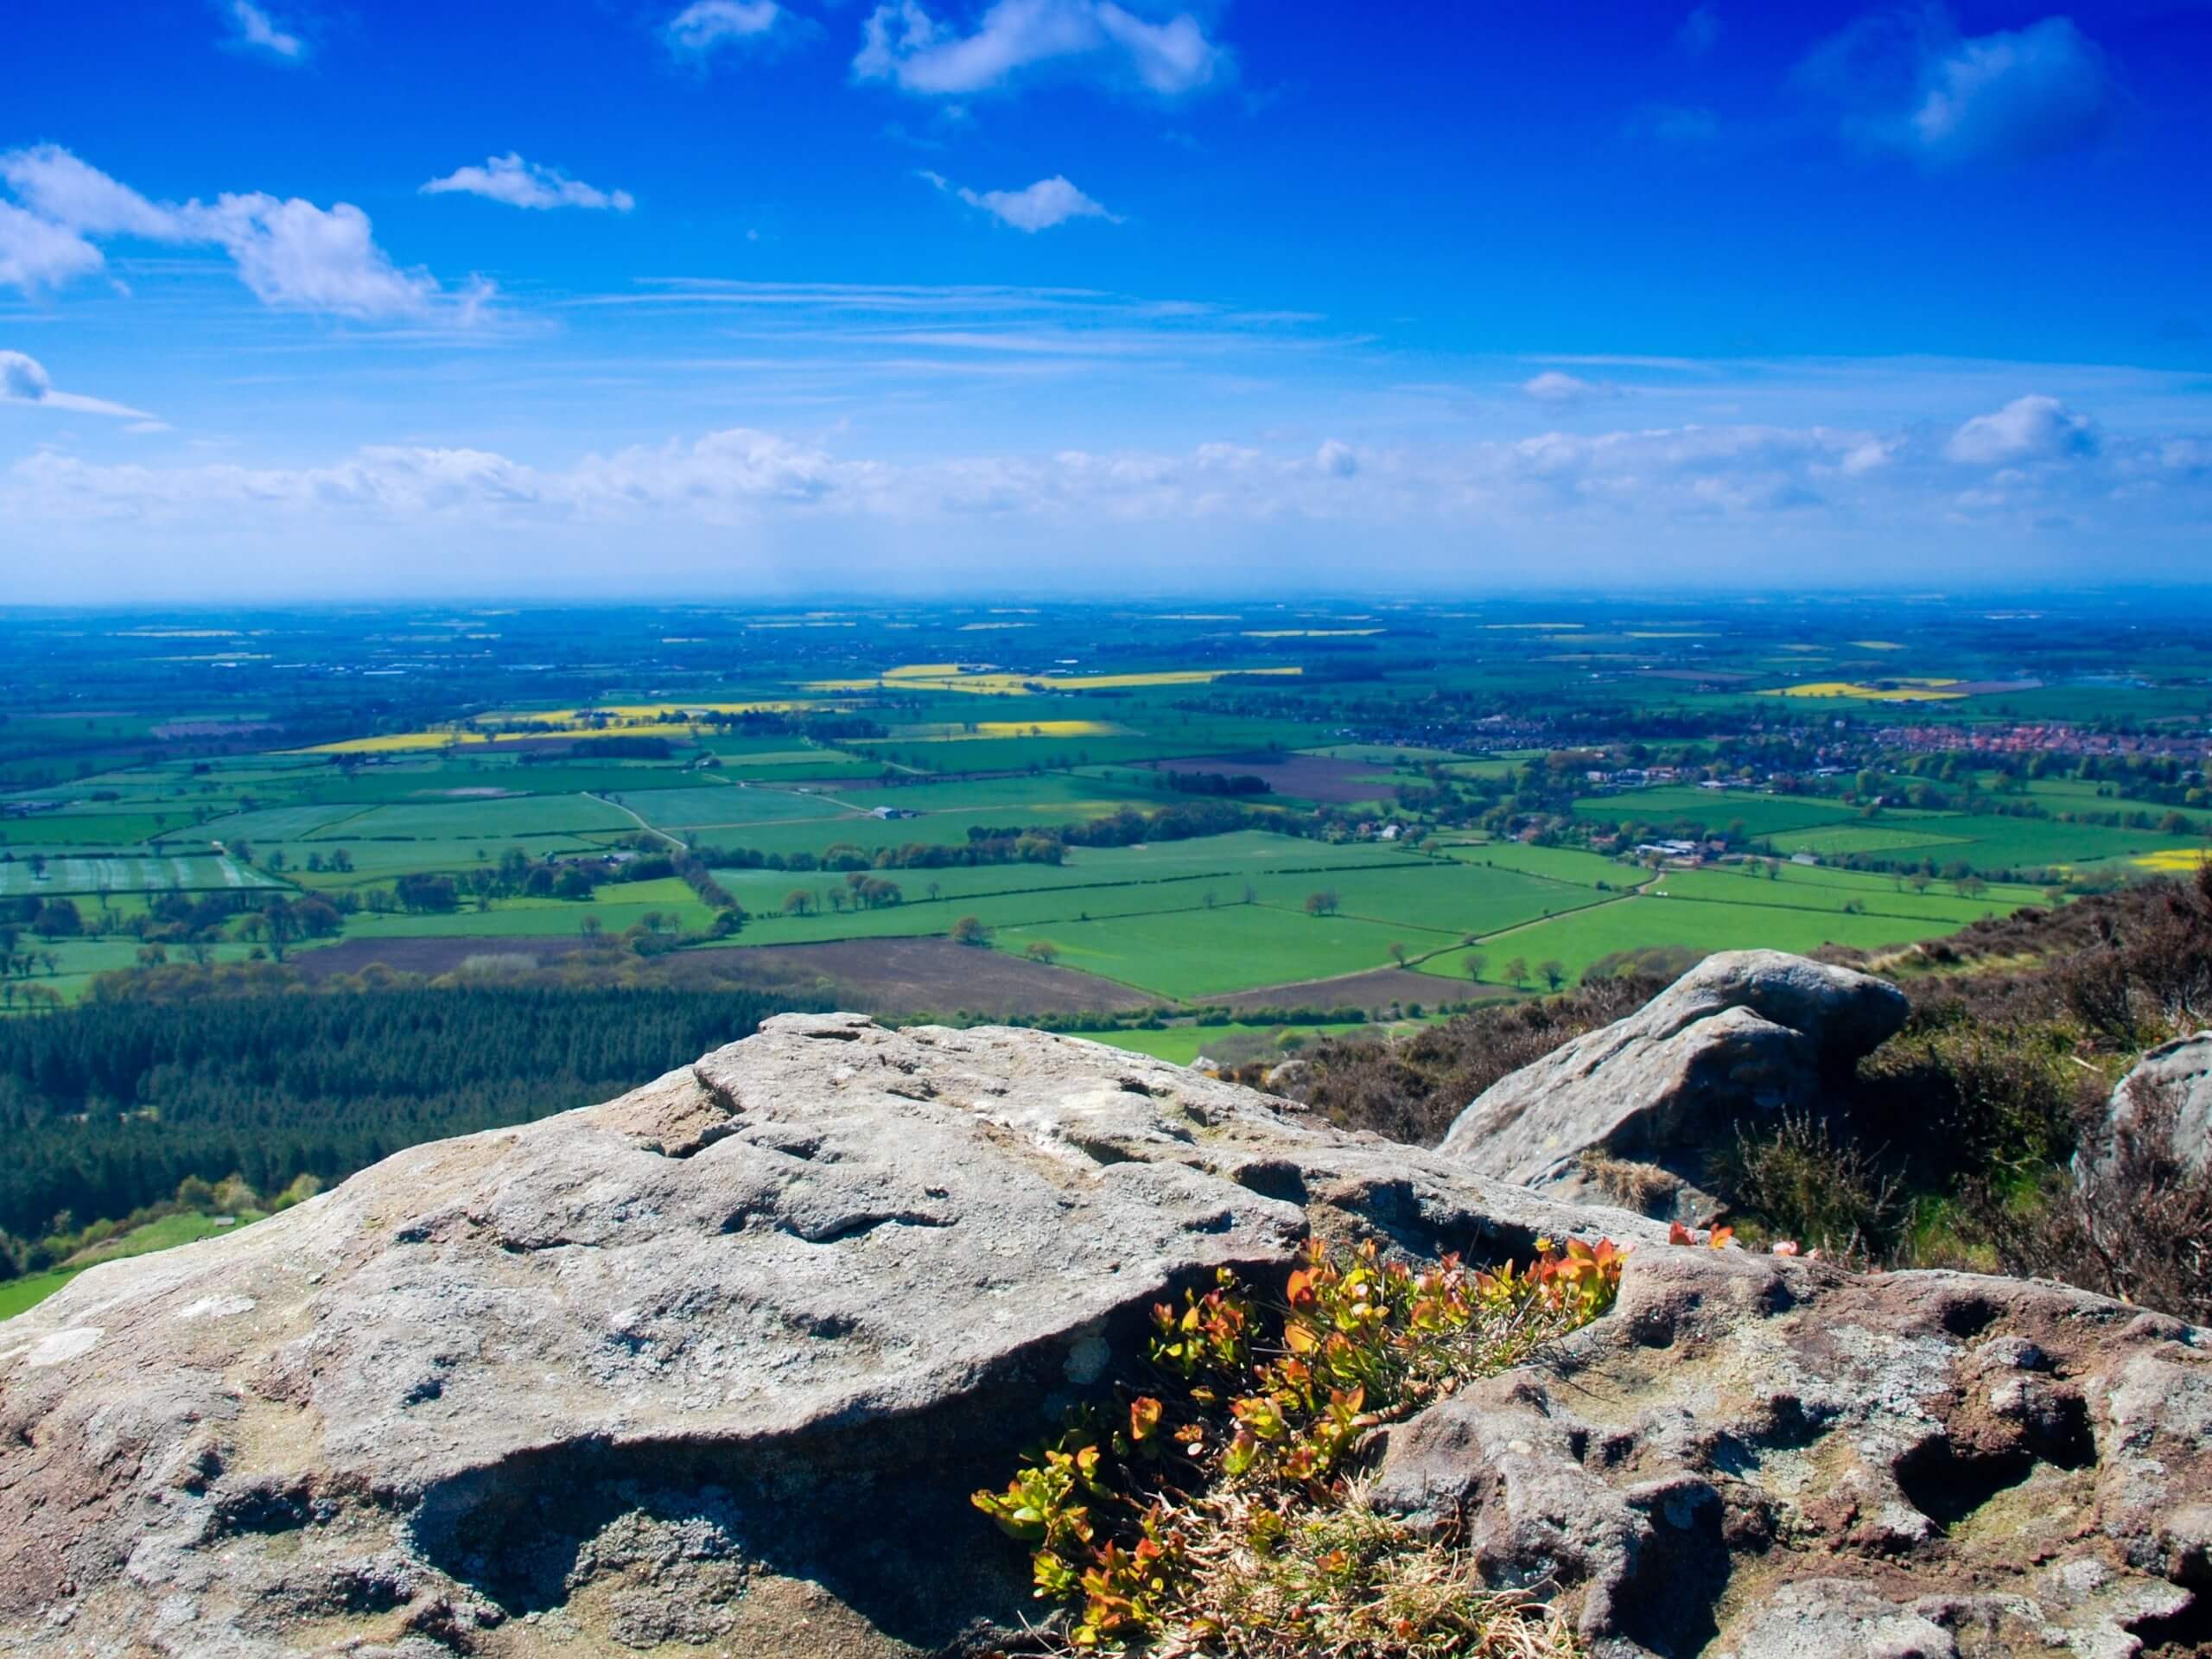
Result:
[
  {"x": 1304, "y": 777},
  {"x": 431, "y": 957},
  {"x": 936, "y": 975}
]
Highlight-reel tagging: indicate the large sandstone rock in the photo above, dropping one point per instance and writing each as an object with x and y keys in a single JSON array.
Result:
[
  {"x": 2178, "y": 1076},
  {"x": 718, "y": 1362},
  {"x": 1743, "y": 1034},
  {"x": 711, "y": 1369}
]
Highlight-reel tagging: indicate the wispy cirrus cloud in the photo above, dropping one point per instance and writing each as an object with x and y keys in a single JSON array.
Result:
[
  {"x": 253, "y": 31},
  {"x": 1910, "y": 83},
  {"x": 291, "y": 254},
  {"x": 1033, "y": 207},
  {"x": 1557, "y": 387},
  {"x": 904, "y": 45},
  {"x": 518, "y": 183},
  {"x": 706, "y": 28},
  {"x": 1688, "y": 126}
]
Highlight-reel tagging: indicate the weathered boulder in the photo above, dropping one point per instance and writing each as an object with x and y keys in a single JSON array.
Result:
[
  {"x": 1770, "y": 1458},
  {"x": 1744, "y": 1034},
  {"x": 718, "y": 1362},
  {"x": 2177, "y": 1079},
  {"x": 712, "y": 1367}
]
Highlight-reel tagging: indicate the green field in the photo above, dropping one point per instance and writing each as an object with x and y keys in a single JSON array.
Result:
[
  {"x": 1716, "y": 809},
  {"x": 1201, "y": 953},
  {"x": 1492, "y": 717},
  {"x": 19, "y": 1295},
  {"x": 1836, "y": 840},
  {"x": 499, "y": 818},
  {"x": 724, "y": 806},
  {"x": 75, "y": 877},
  {"x": 1638, "y": 922}
]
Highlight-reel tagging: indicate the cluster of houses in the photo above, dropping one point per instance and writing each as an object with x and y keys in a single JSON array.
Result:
[{"x": 2048, "y": 737}]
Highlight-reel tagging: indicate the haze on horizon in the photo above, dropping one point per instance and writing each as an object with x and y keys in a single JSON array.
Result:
[{"x": 780, "y": 296}]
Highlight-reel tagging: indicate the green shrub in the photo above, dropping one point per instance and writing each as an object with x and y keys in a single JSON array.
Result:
[{"x": 1219, "y": 1515}]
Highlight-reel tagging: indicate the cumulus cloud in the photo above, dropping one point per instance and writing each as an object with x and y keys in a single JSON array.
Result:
[
  {"x": 1337, "y": 460},
  {"x": 1035, "y": 208},
  {"x": 2026, "y": 430},
  {"x": 253, "y": 29},
  {"x": 1553, "y": 386},
  {"x": 518, "y": 183},
  {"x": 290, "y": 253},
  {"x": 23, "y": 379},
  {"x": 706, "y": 26},
  {"x": 1910, "y": 83},
  {"x": 297, "y": 256},
  {"x": 902, "y": 43}
]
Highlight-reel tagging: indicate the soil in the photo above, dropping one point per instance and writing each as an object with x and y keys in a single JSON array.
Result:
[
  {"x": 1301, "y": 777},
  {"x": 935, "y": 976}
]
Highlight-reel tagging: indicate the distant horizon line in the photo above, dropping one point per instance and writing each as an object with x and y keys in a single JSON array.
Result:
[{"x": 1675, "y": 591}]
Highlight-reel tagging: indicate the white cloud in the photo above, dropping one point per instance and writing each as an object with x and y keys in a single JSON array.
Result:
[
  {"x": 903, "y": 44},
  {"x": 1553, "y": 386},
  {"x": 743, "y": 475},
  {"x": 1909, "y": 82},
  {"x": 1699, "y": 31},
  {"x": 2027, "y": 428},
  {"x": 253, "y": 29},
  {"x": 297, "y": 256},
  {"x": 23, "y": 379},
  {"x": 291, "y": 254},
  {"x": 1035, "y": 208},
  {"x": 36, "y": 253},
  {"x": 56, "y": 186},
  {"x": 706, "y": 25},
  {"x": 518, "y": 183}
]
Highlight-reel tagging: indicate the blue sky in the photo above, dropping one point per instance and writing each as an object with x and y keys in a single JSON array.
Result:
[{"x": 780, "y": 296}]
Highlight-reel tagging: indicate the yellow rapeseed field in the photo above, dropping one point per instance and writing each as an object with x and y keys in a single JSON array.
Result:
[
  {"x": 1885, "y": 691},
  {"x": 947, "y": 677},
  {"x": 2171, "y": 861},
  {"x": 624, "y": 720},
  {"x": 1018, "y": 728}
]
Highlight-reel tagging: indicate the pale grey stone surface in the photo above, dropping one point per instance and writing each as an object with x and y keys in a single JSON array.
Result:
[{"x": 1743, "y": 1034}]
